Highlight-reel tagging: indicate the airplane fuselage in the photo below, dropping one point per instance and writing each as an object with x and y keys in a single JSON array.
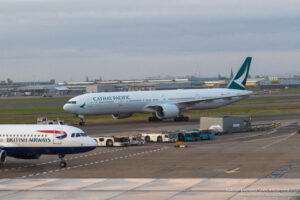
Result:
[
  {"x": 139, "y": 101},
  {"x": 31, "y": 141}
]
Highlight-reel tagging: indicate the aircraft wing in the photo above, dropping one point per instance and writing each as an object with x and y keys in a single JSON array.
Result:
[{"x": 207, "y": 100}]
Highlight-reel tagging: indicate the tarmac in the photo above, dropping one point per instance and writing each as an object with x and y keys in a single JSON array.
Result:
[
  {"x": 252, "y": 165},
  {"x": 263, "y": 154},
  {"x": 118, "y": 189}
]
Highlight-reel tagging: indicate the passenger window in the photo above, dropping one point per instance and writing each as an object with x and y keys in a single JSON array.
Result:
[
  {"x": 73, "y": 135},
  {"x": 77, "y": 134}
]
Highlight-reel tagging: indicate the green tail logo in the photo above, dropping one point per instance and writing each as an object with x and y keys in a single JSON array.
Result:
[{"x": 239, "y": 80}]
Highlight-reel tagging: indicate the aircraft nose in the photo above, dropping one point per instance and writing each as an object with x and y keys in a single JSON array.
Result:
[
  {"x": 93, "y": 143},
  {"x": 66, "y": 107}
]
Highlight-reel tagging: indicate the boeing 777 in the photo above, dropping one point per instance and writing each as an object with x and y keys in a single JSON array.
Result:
[
  {"x": 162, "y": 104},
  {"x": 31, "y": 141}
]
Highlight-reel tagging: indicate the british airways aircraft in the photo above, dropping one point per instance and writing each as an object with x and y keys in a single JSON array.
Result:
[
  {"x": 162, "y": 104},
  {"x": 31, "y": 141}
]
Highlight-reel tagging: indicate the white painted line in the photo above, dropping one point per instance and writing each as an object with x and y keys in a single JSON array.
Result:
[
  {"x": 280, "y": 136},
  {"x": 278, "y": 141},
  {"x": 91, "y": 163},
  {"x": 54, "y": 161}
]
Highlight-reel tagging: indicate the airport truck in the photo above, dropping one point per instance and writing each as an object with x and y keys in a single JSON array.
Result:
[
  {"x": 111, "y": 141},
  {"x": 226, "y": 124},
  {"x": 159, "y": 137}
]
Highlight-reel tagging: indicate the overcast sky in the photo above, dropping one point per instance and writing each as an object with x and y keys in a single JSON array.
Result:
[{"x": 128, "y": 39}]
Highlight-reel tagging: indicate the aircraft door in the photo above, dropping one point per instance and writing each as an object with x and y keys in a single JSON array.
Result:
[
  {"x": 89, "y": 102},
  {"x": 57, "y": 136}
]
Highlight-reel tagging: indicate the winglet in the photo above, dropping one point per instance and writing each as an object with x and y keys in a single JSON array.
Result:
[{"x": 238, "y": 82}]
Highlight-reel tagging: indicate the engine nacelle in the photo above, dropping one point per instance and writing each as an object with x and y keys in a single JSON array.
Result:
[
  {"x": 2, "y": 157},
  {"x": 167, "y": 111},
  {"x": 121, "y": 116}
]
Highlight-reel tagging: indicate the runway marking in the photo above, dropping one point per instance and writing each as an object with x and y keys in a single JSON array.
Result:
[
  {"x": 235, "y": 170},
  {"x": 230, "y": 140},
  {"x": 283, "y": 170},
  {"x": 278, "y": 141},
  {"x": 92, "y": 163},
  {"x": 280, "y": 136},
  {"x": 71, "y": 158}
]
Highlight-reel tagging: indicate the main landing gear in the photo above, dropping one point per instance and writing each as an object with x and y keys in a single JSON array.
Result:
[
  {"x": 154, "y": 119},
  {"x": 62, "y": 162},
  {"x": 181, "y": 119}
]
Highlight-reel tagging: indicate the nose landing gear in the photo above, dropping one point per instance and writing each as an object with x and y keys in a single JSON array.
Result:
[
  {"x": 62, "y": 162},
  {"x": 82, "y": 122}
]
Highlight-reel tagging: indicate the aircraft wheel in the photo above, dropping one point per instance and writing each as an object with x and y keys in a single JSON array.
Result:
[
  {"x": 63, "y": 164},
  {"x": 81, "y": 123}
]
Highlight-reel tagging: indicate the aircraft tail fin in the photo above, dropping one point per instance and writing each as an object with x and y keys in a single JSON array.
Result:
[{"x": 238, "y": 82}]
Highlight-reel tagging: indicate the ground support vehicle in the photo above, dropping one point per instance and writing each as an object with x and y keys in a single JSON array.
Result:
[
  {"x": 112, "y": 141},
  {"x": 159, "y": 137},
  {"x": 188, "y": 135},
  {"x": 136, "y": 140},
  {"x": 44, "y": 120},
  {"x": 195, "y": 135},
  {"x": 207, "y": 134}
]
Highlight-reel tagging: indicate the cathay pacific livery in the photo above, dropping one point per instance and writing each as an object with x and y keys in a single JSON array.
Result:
[
  {"x": 31, "y": 141},
  {"x": 162, "y": 104}
]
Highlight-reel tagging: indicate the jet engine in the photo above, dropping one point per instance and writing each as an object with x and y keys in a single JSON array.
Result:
[
  {"x": 121, "y": 116},
  {"x": 166, "y": 111},
  {"x": 2, "y": 157}
]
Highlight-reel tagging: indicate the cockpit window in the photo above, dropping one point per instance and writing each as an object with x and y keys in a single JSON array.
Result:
[
  {"x": 83, "y": 134},
  {"x": 71, "y": 102},
  {"x": 78, "y": 135}
]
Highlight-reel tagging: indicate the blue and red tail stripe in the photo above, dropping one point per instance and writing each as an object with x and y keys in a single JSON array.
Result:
[{"x": 63, "y": 134}]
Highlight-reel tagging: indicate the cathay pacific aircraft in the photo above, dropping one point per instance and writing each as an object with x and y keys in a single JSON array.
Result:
[
  {"x": 31, "y": 141},
  {"x": 162, "y": 104}
]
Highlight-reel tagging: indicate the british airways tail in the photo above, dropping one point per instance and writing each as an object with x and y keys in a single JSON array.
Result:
[{"x": 238, "y": 82}]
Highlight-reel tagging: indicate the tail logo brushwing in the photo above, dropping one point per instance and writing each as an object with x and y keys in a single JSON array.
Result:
[{"x": 240, "y": 79}]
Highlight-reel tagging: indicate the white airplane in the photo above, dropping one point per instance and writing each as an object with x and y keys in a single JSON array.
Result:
[
  {"x": 162, "y": 104},
  {"x": 31, "y": 141}
]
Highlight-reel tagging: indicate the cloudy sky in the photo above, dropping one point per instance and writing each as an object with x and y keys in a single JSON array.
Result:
[{"x": 128, "y": 39}]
